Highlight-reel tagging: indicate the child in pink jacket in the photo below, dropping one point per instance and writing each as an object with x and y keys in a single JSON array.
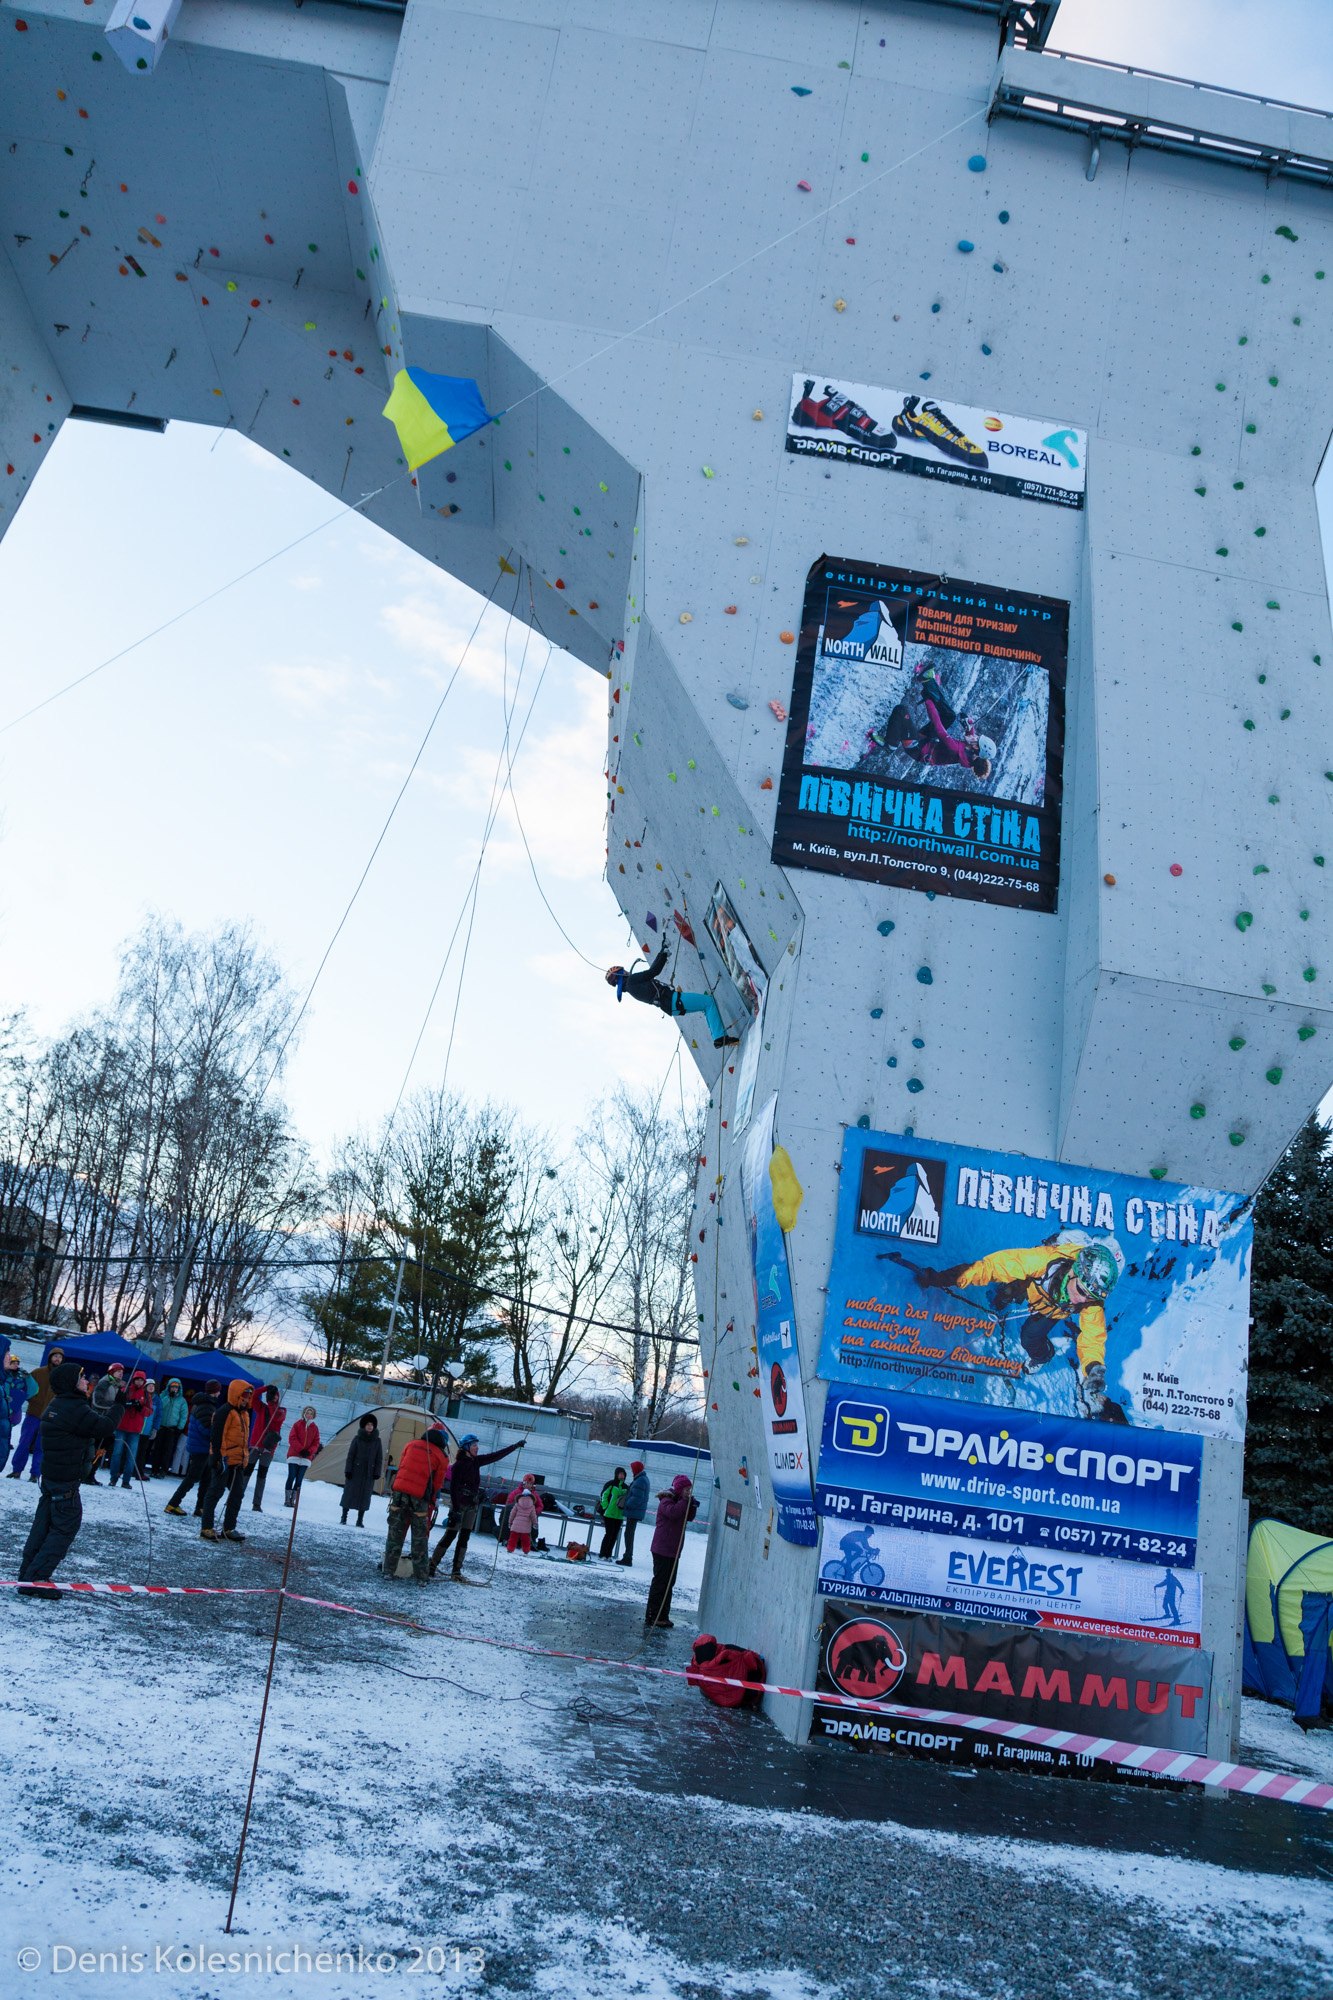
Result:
[{"x": 524, "y": 1505}]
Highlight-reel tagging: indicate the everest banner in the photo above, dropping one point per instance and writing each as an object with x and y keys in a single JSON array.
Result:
[
  {"x": 925, "y": 735},
  {"x": 781, "y": 1394},
  {"x": 1030, "y": 458},
  {"x": 1159, "y": 1604},
  {"x": 1023, "y": 1284}
]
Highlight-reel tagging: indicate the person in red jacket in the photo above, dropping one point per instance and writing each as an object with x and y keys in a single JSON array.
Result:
[
  {"x": 302, "y": 1447},
  {"x": 418, "y": 1483},
  {"x": 265, "y": 1436},
  {"x": 126, "y": 1448}
]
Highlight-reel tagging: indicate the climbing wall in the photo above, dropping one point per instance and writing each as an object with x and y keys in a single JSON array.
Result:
[{"x": 632, "y": 226}]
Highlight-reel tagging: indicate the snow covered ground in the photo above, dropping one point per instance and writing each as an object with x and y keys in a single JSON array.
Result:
[{"x": 586, "y": 1834}]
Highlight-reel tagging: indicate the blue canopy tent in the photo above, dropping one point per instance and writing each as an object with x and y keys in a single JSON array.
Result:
[
  {"x": 97, "y": 1351},
  {"x": 1289, "y": 1619}
]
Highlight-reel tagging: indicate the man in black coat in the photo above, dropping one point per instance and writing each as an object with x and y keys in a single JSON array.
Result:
[
  {"x": 70, "y": 1426},
  {"x": 645, "y": 985},
  {"x": 465, "y": 1499}
]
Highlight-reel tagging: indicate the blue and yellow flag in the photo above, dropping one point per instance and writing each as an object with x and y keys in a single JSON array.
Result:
[{"x": 432, "y": 413}]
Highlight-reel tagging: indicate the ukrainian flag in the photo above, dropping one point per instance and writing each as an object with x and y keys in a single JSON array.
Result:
[{"x": 432, "y": 413}]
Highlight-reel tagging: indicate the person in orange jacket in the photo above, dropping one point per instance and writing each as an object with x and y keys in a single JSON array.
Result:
[
  {"x": 229, "y": 1448},
  {"x": 420, "y": 1479}
]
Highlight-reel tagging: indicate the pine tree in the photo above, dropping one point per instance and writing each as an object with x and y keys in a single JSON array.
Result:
[{"x": 1289, "y": 1446}]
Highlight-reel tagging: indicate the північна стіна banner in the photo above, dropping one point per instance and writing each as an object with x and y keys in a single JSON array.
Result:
[
  {"x": 1013, "y": 1586},
  {"x": 925, "y": 739},
  {"x": 1053, "y": 1483},
  {"x": 1027, "y": 457},
  {"x": 1109, "y": 1688},
  {"x": 1023, "y": 1283}
]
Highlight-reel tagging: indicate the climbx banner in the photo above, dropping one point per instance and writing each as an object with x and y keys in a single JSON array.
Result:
[
  {"x": 1160, "y": 1603},
  {"x": 1052, "y": 1484},
  {"x": 781, "y": 1394},
  {"x": 1030, "y": 458},
  {"x": 925, "y": 738},
  {"x": 1058, "y": 1680},
  {"x": 1028, "y": 1284}
]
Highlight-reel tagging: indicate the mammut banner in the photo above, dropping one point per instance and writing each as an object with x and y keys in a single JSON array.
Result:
[
  {"x": 1026, "y": 1284},
  {"x": 781, "y": 1394},
  {"x": 1154, "y": 1695},
  {"x": 1054, "y": 1484},
  {"x": 1014, "y": 1586},
  {"x": 1030, "y": 458},
  {"x": 925, "y": 738}
]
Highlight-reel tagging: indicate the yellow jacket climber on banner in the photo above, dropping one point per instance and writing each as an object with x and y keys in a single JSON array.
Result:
[{"x": 1063, "y": 1285}]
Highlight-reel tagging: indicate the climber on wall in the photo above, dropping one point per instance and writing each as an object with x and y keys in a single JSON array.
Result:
[
  {"x": 1060, "y": 1290},
  {"x": 646, "y": 985},
  {"x": 931, "y": 741}
]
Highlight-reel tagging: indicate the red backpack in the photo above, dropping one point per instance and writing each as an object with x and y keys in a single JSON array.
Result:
[{"x": 712, "y": 1665}]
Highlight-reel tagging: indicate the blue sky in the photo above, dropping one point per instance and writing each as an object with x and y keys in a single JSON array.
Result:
[{"x": 241, "y": 764}]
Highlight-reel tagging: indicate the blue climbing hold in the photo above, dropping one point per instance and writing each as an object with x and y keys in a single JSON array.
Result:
[
  {"x": 936, "y": 307},
  {"x": 738, "y": 701},
  {"x": 914, "y": 1084},
  {"x": 977, "y": 164},
  {"x": 884, "y": 926},
  {"x": 877, "y": 1013},
  {"x": 799, "y": 90},
  {"x": 1004, "y": 215},
  {"x": 966, "y": 247},
  {"x": 863, "y": 1123},
  {"x": 924, "y": 975},
  {"x": 917, "y": 1042},
  {"x": 985, "y": 347},
  {"x": 892, "y": 1062},
  {"x": 925, "y": 374}
]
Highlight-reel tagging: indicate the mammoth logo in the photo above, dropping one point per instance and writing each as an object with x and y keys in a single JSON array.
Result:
[
  {"x": 865, "y": 1657},
  {"x": 777, "y": 1389}
]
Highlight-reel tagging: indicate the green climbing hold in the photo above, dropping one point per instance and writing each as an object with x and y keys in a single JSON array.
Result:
[
  {"x": 1272, "y": 381},
  {"x": 1269, "y": 990},
  {"x": 1236, "y": 1138},
  {"x": 1158, "y": 1173},
  {"x": 1238, "y": 485},
  {"x": 1244, "y": 920},
  {"x": 1236, "y": 625},
  {"x": 1265, "y": 279},
  {"x": 1273, "y": 1075},
  {"x": 508, "y": 465},
  {"x": 1304, "y": 1034},
  {"x": 1272, "y": 798},
  {"x": 1261, "y": 532},
  {"x": 1221, "y": 386},
  {"x": 1244, "y": 340},
  {"x": 1261, "y": 678},
  {"x": 1201, "y": 490},
  {"x": 674, "y": 779},
  {"x": 1273, "y": 604},
  {"x": 1284, "y": 715},
  {"x": 1198, "y": 1111},
  {"x": 1304, "y": 916},
  {"x": 865, "y": 157},
  {"x": 1247, "y": 724},
  {"x": 1309, "y": 975},
  {"x": 1284, "y": 230},
  {"x": 1236, "y": 1042},
  {"x": 1250, "y": 429},
  {"x": 1222, "y": 552},
  {"x": 1196, "y": 450},
  {"x": 1319, "y": 861}
]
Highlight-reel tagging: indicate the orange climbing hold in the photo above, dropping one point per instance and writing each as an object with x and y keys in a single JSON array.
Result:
[
  {"x": 1109, "y": 881},
  {"x": 767, "y": 785},
  {"x": 787, "y": 638},
  {"x": 730, "y": 610}
]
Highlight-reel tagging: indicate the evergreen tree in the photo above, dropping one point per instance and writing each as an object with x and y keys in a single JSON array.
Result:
[{"x": 1289, "y": 1446}]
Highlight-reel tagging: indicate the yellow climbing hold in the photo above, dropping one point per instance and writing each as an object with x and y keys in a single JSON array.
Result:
[
  {"x": 788, "y": 1194},
  {"x": 839, "y": 305}
]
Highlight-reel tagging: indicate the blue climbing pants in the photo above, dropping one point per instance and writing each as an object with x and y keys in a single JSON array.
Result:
[{"x": 705, "y": 1004}]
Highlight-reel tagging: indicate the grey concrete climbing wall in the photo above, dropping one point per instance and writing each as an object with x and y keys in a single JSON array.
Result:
[{"x": 632, "y": 224}]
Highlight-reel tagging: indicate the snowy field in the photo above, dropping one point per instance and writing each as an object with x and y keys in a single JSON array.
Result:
[{"x": 539, "y": 1827}]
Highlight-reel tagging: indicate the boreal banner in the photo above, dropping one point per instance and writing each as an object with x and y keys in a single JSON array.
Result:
[
  {"x": 1025, "y": 1284},
  {"x": 925, "y": 738},
  {"x": 1054, "y": 1483},
  {"x": 1013, "y": 1586},
  {"x": 1030, "y": 458},
  {"x": 1152, "y": 1695},
  {"x": 781, "y": 1394}
]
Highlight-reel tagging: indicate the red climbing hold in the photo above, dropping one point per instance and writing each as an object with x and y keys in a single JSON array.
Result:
[
  {"x": 268, "y": 239},
  {"x": 804, "y": 186},
  {"x": 730, "y": 610},
  {"x": 1176, "y": 868},
  {"x": 352, "y": 188},
  {"x": 21, "y": 27},
  {"x": 683, "y": 926},
  {"x": 849, "y": 239},
  {"x": 560, "y": 583},
  {"x": 255, "y": 304}
]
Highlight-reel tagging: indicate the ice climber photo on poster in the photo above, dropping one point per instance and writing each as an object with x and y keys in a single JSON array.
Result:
[{"x": 925, "y": 739}]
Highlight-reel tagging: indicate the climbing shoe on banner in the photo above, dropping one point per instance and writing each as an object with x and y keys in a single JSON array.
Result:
[
  {"x": 834, "y": 412},
  {"x": 928, "y": 424}
]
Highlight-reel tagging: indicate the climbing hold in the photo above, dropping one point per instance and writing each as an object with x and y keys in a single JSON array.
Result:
[
  {"x": 804, "y": 186},
  {"x": 1283, "y": 230},
  {"x": 1304, "y": 1034},
  {"x": 687, "y": 618},
  {"x": 924, "y": 976},
  {"x": 917, "y": 1042},
  {"x": 1318, "y": 860},
  {"x": 1273, "y": 605},
  {"x": 877, "y": 1013},
  {"x": 707, "y": 471},
  {"x": 892, "y": 1063},
  {"x": 1261, "y": 868},
  {"x": 985, "y": 348},
  {"x": 738, "y": 701},
  {"x": 1284, "y": 715},
  {"x": 1236, "y": 1042},
  {"x": 787, "y": 1191},
  {"x": 1244, "y": 920},
  {"x": 1222, "y": 552},
  {"x": 1109, "y": 881},
  {"x": 885, "y": 925},
  {"x": 741, "y": 541},
  {"x": 1198, "y": 1111},
  {"x": 1272, "y": 381},
  {"x": 800, "y": 90},
  {"x": 787, "y": 638},
  {"x": 1220, "y": 385},
  {"x": 1261, "y": 531},
  {"x": 863, "y": 1123},
  {"x": 966, "y": 247},
  {"x": 1309, "y": 975},
  {"x": 914, "y": 1084},
  {"x": 766, "y": 785},
  {"x": 1269, "y": 990},
  {"x": 936, "y": 307},
  {"x": 729, "y": 610},
  {"x": 1273, "y": 1075},
  {"x": 865, "y": 161},
  {"x": 1265, "y": 279},
  {"x": 1158, "y": 1174},
  {"x": 1004, "y": 215},
  {"x": 1236, "y": 625},
  {"x": 852, "y": 239},
  {"x": 756, "y": 416},
  {"x": 839, "y": 305},
  {"x": 977, "y": 164},
  {"x": 1176, "y": 868},
  {"x": 1236, "y": 1138}
]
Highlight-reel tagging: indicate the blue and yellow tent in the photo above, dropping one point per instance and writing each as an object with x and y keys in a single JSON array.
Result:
[{"x": 1289, "y": 1618}]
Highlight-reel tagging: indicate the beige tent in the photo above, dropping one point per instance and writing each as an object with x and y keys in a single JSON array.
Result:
[{"x": 398, "y": 1423}]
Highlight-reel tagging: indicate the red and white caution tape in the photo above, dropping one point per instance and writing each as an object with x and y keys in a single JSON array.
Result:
[{"x": 1182, "y": 1767}]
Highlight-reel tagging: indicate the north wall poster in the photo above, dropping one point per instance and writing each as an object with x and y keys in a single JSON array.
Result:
[
  {"x": 925, "y": 735},
  {"x": 781, "y": 1392},
  {"x": 1023, "y": 1283}
]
